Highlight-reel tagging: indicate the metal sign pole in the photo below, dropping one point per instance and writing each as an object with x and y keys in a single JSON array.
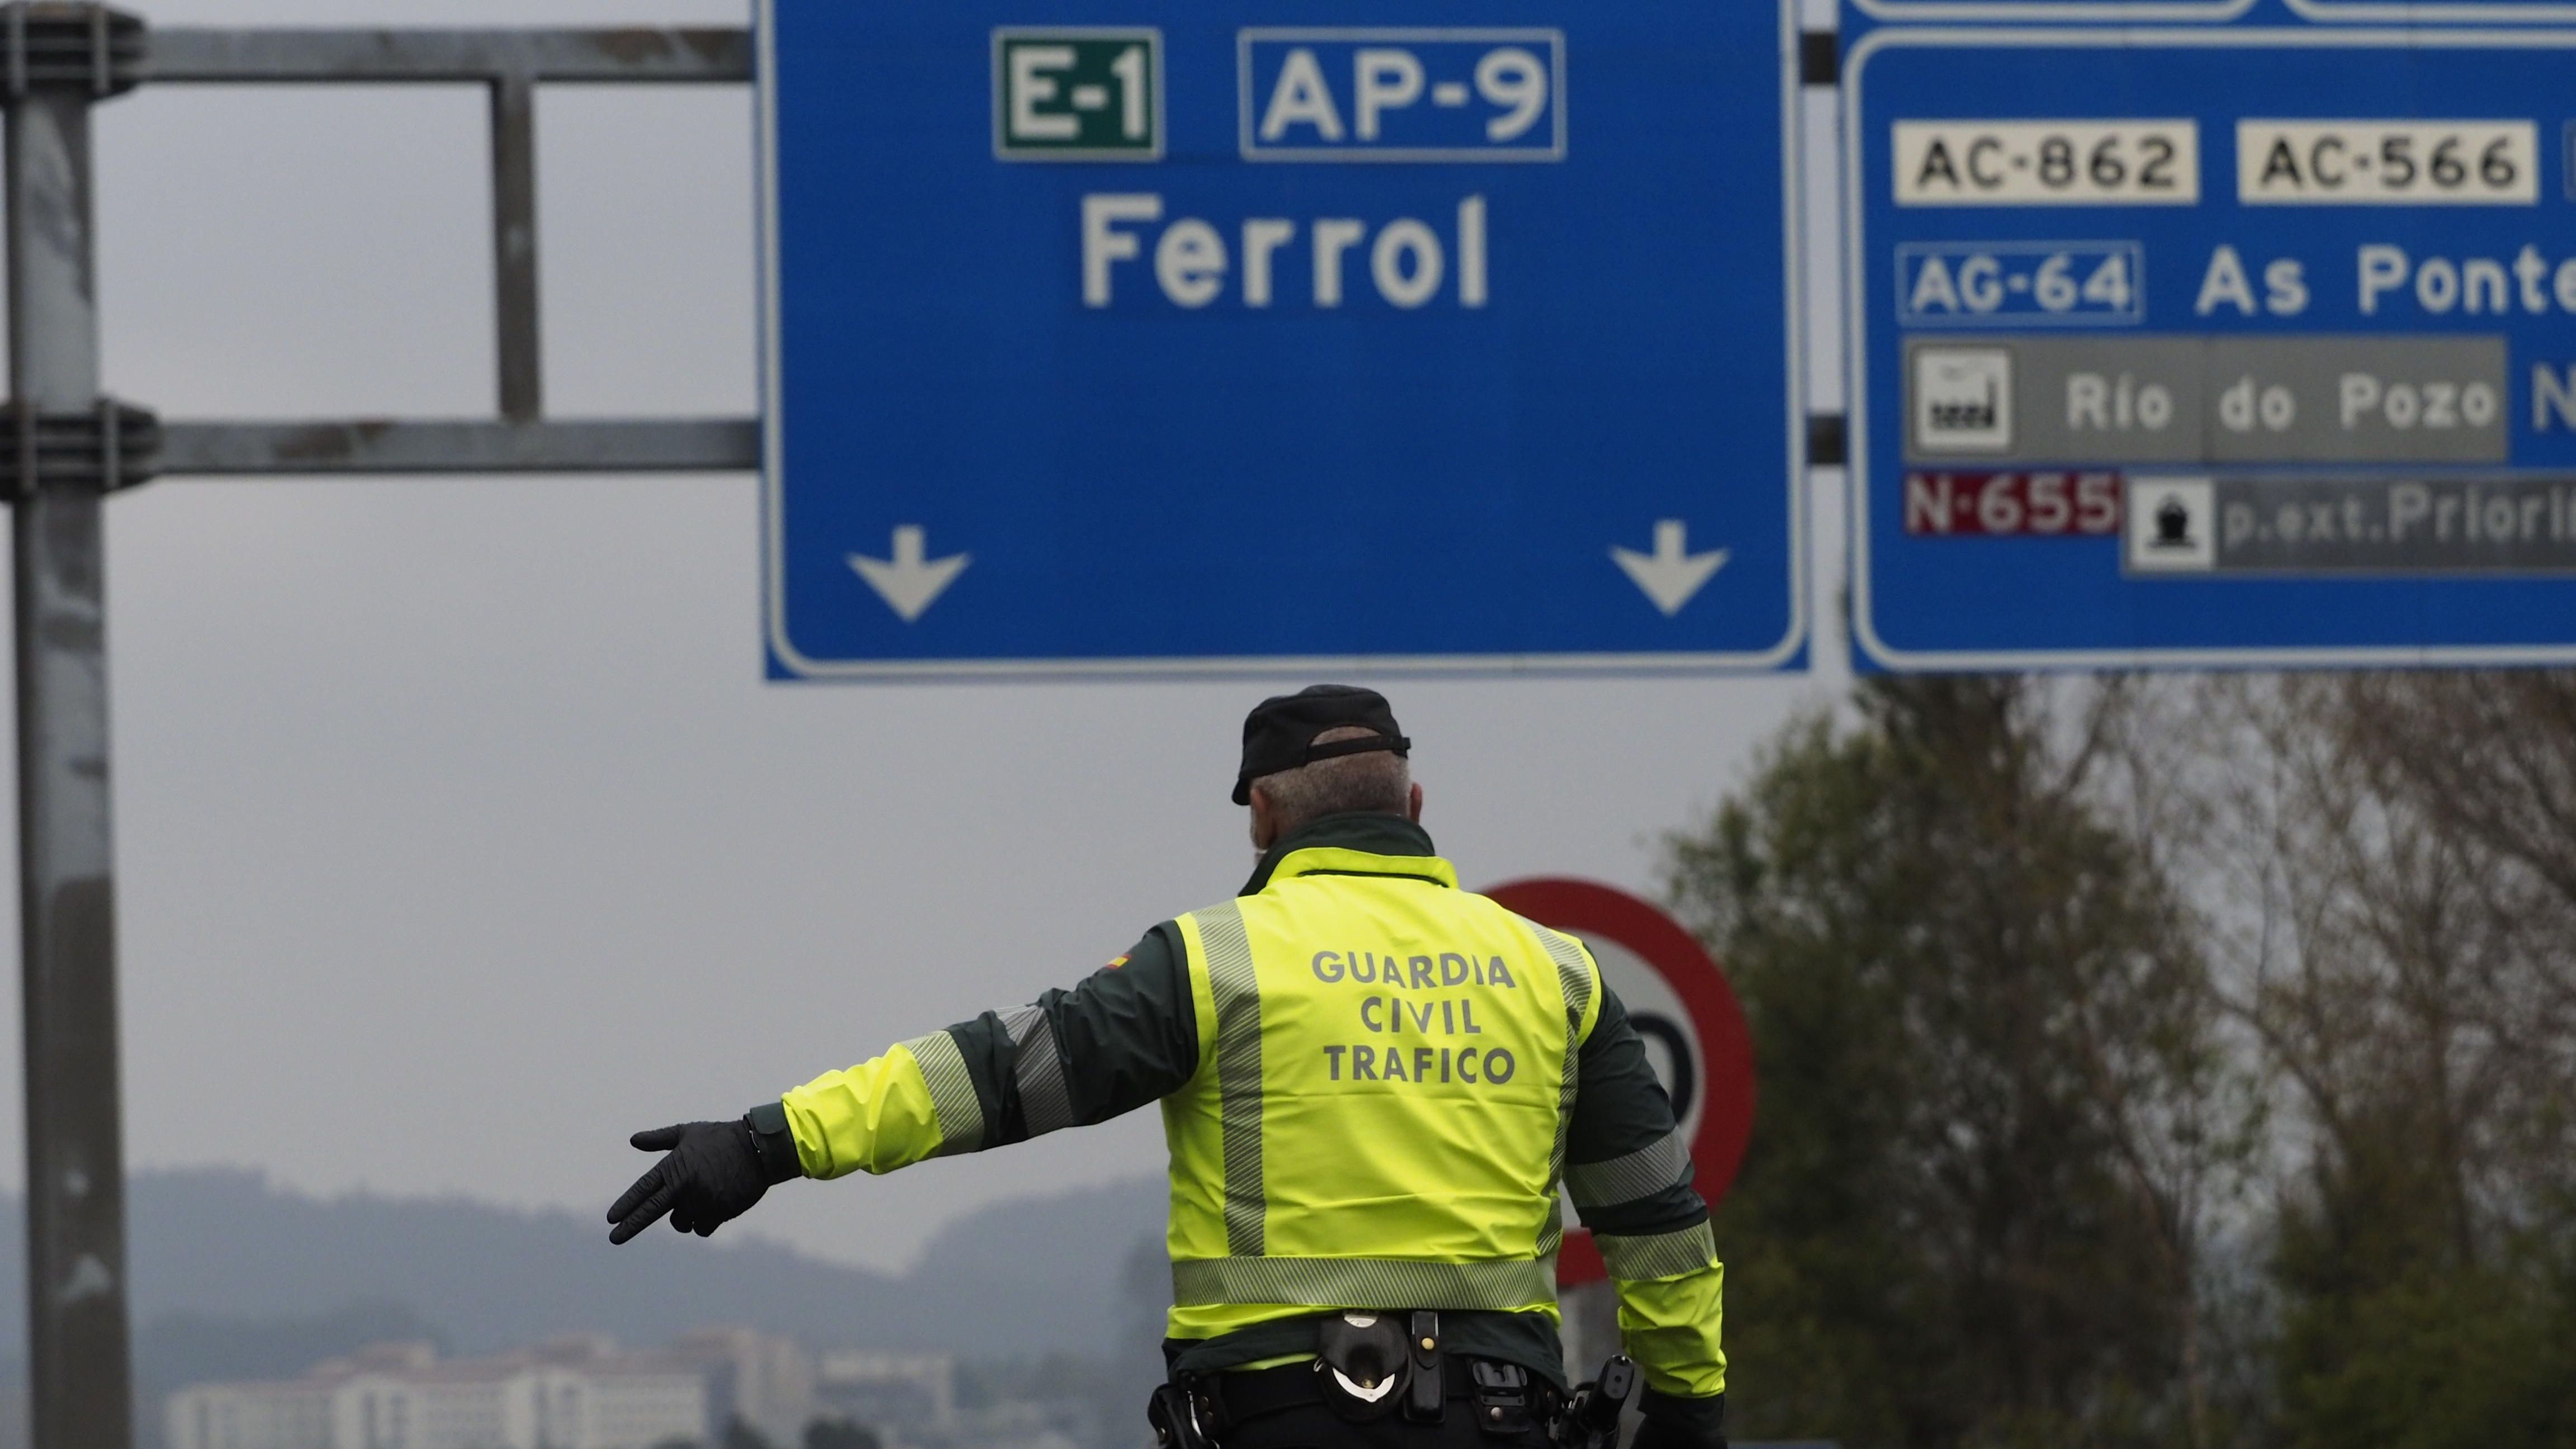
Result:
[{"x": 78, "y": 1374}]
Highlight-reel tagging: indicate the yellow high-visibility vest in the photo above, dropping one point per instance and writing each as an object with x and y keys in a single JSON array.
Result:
[{"x": 1386, "y": 1073}]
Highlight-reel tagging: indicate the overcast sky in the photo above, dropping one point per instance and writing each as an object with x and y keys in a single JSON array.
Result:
[{"x": 458, "y": 834}]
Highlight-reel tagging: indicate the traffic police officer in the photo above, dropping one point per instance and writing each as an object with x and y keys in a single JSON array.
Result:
[{"x": 1373, "y": 1083}]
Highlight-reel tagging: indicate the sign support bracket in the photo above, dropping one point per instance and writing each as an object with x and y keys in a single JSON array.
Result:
[{"x": 512, "y": 64}]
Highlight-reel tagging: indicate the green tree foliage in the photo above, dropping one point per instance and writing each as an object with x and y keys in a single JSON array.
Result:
[
  {"x": 2427, "y": 1358},
  {"x": 1989, "y": 1075}
]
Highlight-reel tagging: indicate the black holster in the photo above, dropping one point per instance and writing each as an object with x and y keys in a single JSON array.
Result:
[
  {"x": 1591, "y": 1418},
  {"x": 1183, "y": 1417}
]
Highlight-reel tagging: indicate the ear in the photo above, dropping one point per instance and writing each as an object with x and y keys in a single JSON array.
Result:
[
  {"x": 1265, "y": 827},
  {"x": 1413, "y": 806}
]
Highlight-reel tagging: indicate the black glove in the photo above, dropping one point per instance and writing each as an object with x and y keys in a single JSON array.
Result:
[
  {"x": 714, "y": 1173},
  {"x": 1678, "y": 1423},
  {"x": 1665, "y": 1434}
]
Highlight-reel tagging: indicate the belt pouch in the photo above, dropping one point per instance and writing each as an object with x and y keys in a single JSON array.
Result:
[
  {"x": 1422, "y": 1396},
  {"x": 1502, "y": 1397},
  {"x": 1362, "y": 1359}
]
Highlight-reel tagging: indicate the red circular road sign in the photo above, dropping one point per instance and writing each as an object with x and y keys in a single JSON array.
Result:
[{"x": 1679, "y": 1002}]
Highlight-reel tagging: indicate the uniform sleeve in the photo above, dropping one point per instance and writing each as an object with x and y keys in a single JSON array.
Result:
[
  {"x": 1125, "y": 1037},
  {"x": 1629, "y": 1174}
]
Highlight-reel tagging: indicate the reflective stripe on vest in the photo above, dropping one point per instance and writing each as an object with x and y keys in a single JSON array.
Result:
[
  {"x": 1664, "y": 1255},
  {"x": 1643, "y": 1173},
  {"x": 1574, "y": 975},
  {"x": 1380, "y": 1115},
  {"x": 1237, "y": 990},
  {"x": 952, "y": 1092},
  {"x": 1037, "y": 1069},
  {"x": 1344, "y": 1282}
]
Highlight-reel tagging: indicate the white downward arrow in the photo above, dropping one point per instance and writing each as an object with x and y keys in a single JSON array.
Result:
[
  {"x": 908, "y": 582},
  {"x": 1671, "y": 574}
]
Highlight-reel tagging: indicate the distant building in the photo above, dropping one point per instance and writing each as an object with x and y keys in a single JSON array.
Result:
[
  {"x": 924, "y": 1401},
  {"x": 579, "y": 1393},
  {"x": 760, "y": 1378},
  {"x": 906, "y": 1396}
]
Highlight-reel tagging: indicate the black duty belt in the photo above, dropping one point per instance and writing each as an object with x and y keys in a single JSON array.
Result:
[
  {"x": 1368, "y": 1366},
  {"x": 1247, "y": 1394},
  {"x": 1251, "y": 1393}
]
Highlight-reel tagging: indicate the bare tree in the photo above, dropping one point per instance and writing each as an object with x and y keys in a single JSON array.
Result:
[{"x": 2385, "y": 871}]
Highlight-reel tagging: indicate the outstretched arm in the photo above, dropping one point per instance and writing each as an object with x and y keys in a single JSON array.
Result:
[{"x": 1126, "y": 1036}]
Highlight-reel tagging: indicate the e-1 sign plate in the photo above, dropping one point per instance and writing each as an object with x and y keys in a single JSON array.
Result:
[
  {"x": 1183, "y": 337},
  {"x": 2229, "y": 345}
]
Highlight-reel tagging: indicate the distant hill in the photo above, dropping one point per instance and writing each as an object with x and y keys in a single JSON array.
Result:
[{"x": 218, "y": 1252}]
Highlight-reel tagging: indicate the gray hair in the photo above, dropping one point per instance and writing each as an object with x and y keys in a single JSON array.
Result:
[{"x": 1377, "y": 780}]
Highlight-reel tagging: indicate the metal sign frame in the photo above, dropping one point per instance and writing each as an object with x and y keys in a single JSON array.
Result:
[
  {"x": 69, "y": 446},
  {"x": 511, "y": 64},
  {"x": 1795, "y": 434}
]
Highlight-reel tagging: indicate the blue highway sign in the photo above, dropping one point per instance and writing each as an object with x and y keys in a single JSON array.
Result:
[
  {"x": 2435, "y": 12},
  {"x": 2120, "y": 12},
  {"x": 2229, "y": 344},
  {"x": 1142, "y": 336}
]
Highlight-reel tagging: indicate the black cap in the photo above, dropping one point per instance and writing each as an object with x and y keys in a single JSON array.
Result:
[{"x": 1280, "y": 732}]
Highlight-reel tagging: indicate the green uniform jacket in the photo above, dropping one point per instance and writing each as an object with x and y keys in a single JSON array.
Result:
[{"x": 1132, "y": 1034}]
